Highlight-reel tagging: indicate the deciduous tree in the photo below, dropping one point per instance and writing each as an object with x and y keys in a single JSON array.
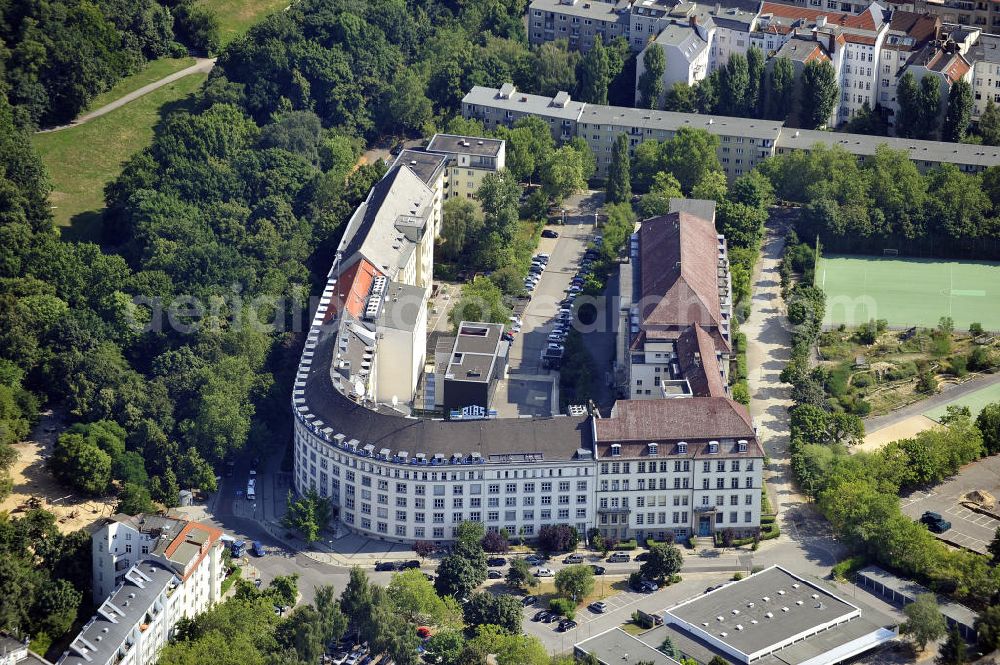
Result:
[
  {"x": 819, "y": 93},
  {"x": 650, "y": 85}
]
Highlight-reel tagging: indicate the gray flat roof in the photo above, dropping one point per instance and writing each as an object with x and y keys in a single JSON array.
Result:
[
  {"x": 595, "y": 9},
  {"x": 426, "y": 165},
  {"x": 910, "y": 590},
  {"x": 861, "y": 144},
  {"x": 672, "y": 121},
  {"x": 612, "y": 646},
  {"x": 402, "y": 306},
  {"x": 522, "y": 102},
  {"x": 762, "y": 611},
  {"x": 101, "y": 638},
  {"x": 467, "y": 145},
  {"x": 704, "y": 208},
  {"x": 475, "y": 352}
]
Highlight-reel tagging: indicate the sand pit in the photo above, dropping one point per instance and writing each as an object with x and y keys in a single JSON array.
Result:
[
  {"x": 901, "y": 430},
  {"x": 32, "y": 479}
]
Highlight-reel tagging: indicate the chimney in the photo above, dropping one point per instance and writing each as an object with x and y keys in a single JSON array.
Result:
[
  {"x": 694, "y": 21},
  {"x": 718, "y": 7},
  {"x": 821, "y": 21}
]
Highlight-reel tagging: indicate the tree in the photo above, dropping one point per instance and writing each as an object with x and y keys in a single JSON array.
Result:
[
  {"x": 718, "y": 660},
  {"x": 446, "y": 646},
  {"x": 988, "y": 422},
  {"x": 461, "y": 223},
  {"x": 495, "y": 542},
  {"x": 619, "y": 185},
  {"x": 959, "y": 115},
  {"x": 413, "y": 598},
  {"x": 593, "y": 75},
  {"x": 663, "y": 563},
  {"x": 668, "y": 648},
  {"x": 989, "y": 124},
  {"x": 988, "y": 628},
  {"x": 993, "y": 549},
  {"x": 56, "y": 606},
  {"x": 575, "y": 582},
  {"x": 504, "y": 611},
  {"x": 919, "y": 106},
  {"x": 734, "y": 82},
  {"x": 284, "y": 589},
  {"x": 953, "y": 651},
  {"x": 134, "y": 499},
  {"x": 819, "y": 93},
  {"x": 689, "y": 155},
  {"x": 924, "y": 621},
  {"x": 558, "y": 538},
  {"x": 519, "y": 575},
  {"x": 309, "y": 514},
  {"x": 562, "y": 174},
  {"x": 554, "y": 68},
  {"x": 681, "y": 98},
  {"x": 424, "y": 548},
  {"x": 752, "y": 189},
  {"x": 465, "y": 568},
  {"x": 481, "y": 300},
  {"x": 195, "y": 472},
  {"x": 755, "y": 84},
  {"x": 650, "y": 87},
  {"x": 81, "y": 463},
  {"x": 908, "y": 98},
  {"x": 657, "y": 201},
  {"x": 356, "y": 600}
]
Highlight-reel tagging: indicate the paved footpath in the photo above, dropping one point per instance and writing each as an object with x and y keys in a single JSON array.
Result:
[{"x": 201, "y": 65}]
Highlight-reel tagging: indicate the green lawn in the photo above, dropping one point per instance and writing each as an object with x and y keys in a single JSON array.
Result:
[
  {"x": 153, "y": 72},
  {"x": 236, "y": 16},
  {"x": 909, "y": 292},
  {"x": 975, "y": 401},
  {"x": 82, "y": 159}
]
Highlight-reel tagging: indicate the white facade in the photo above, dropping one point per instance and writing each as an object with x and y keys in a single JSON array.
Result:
[{"x": 400, "y": 356}]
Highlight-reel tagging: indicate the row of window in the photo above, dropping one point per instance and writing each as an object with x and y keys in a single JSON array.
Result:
[{"x": 679, "y": 466}]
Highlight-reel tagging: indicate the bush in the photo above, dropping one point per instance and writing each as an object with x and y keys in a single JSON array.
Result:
[
  {"x": 563, "y": 606},
  {"x": 626, "y": 545},
  {"x": 558, "y": 538},
  {"x": 959, "y": 366},
  {"x": 861, "y": 380},
  {"x": 903, "y": 370},
  {"x": 843, "y": 570}
]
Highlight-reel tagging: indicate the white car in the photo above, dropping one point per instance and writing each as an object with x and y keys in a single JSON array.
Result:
[{"x": 544, "y": 572}]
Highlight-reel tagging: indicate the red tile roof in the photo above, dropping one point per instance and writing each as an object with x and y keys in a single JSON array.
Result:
[
  {"x": 353, "y": 286},
  {"x": 699, "y": 362},
  {"x": 212, "y": 536},
  {"x": 863, "y": 21},
  {"x": 679, "y": 271},
  {"x": 670, "y": 420}
]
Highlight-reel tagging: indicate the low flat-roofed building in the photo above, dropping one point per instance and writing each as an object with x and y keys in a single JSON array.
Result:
[
  {"x": 478, "y": 360},
  {"x": 615, "y": 646},
  {"x": 16, "y": 652},
  {"x": 772, "y": 617},
  {"x": 903, "y": 592}
]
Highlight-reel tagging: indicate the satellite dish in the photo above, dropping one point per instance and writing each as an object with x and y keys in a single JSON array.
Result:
[
  {"x": 395, "y": 401},
  {"x": 359, "y": 388}
]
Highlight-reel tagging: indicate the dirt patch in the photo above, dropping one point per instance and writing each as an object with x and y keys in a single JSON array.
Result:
[
  {"x": 33, "y": 480},
  {"x": 902, "y": 430}
]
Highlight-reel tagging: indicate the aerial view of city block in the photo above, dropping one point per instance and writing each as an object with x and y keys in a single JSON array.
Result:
[{"x": 499, "y": 332}]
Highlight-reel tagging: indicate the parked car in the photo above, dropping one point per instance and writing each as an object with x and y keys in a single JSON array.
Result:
[
  {"x": 574, "y": 558},
  {"x": 548, "y": 233},
  {"x": 534, "y": 559},
  {"x": 529, "y": 600},
  {"x": 542, "y": 256},
  {"x": 935, "y": 522},
  {"x": 407, "y": 565},
  {"x": 552, "y": 616},
  {"x": 598, "y": 570},
  {"x": 619, "y": 557},
  {"x": 257, "y": 548},
  {"x": 539, "y": 615},
  {"x": 544, "y": 572},
  {"x": 645, "y": 586},
  {"x": 496, "y": 561},
  {"x": 643, "y": 556},
  {"x": 494, "y": 575},
  {"x": 567, "y": 624},
  {"x": 600, "y": 607}
]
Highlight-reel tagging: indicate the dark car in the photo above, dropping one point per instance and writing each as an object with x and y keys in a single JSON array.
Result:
[
  {"x": 529, "y": 600},
  {"x": 935, "y": 522},
  {"x": 644, "y": 556},
  {"x": 645, "y": 586},
  {"x": 552, "y": 616},
  {"x": 540, "y": 615},
  {"x": 494, "y": 575},
  {"x": 407, "y": 565},
  {"x": 549, "y": 233},
  {"x": 598, "y": 570},
  {"x": 381, "y": 566},
  {"x": 568, "y": 624},
  {"x": 496, "y": 561}
]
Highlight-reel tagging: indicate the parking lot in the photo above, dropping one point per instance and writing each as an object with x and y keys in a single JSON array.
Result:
[{"x": 969, "y": 528}]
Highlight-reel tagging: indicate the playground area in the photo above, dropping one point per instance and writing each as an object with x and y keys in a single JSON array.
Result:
[{"x": 909, "y": 292}]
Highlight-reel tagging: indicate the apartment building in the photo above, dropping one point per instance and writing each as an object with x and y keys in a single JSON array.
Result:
[
  {"x": 16, "y": 652},
  {"x": 985, "y": 56},
  {"x": 743, "y": 142},
  {"x": 134, "y": 622},
  {"x": 679, "y": 466},
  {"x": 685, "y": 41},
  {"x": 470, "y": 159},
  {"x": 191, "y": 549},
  {"x": 908, "y": 33},
  {"x": 579, "y": 22}
]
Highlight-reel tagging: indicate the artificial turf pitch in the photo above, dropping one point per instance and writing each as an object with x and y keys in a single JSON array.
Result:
[{"x": 909, "y": 292}]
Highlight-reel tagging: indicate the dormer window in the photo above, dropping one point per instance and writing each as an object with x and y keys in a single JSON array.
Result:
[
  {"x": 616, "y": 449},
  {"x": 742, "y": 445},
  {"x": 713, "y": 447},
  {"x": 652, "y": 449},
  {"x": 682, "y": 447}
]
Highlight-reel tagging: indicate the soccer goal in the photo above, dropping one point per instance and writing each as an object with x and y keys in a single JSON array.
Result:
[{"x": 890, "y": 252}]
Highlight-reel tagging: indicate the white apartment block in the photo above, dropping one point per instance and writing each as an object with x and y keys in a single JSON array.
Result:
[
  {"x": 743, "y": 142},
  {"x": 193, "y": 550},
  {"x": 470, "y": 159},
  {"x": 134, "y": 622}
]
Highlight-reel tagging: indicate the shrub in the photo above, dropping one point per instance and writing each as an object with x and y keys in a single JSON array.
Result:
[
  {"x": 563, "y": 606},
  {"x": 626, "y": 545},
  {"x": 959, "y": 366},
  {"x": 558, "y": 538},
  {"x": 737, "y": 577},
  {"x": 843, "y": 570},
  {"x": 861, "y": 380},
  {"x": 903, "y": 370}
]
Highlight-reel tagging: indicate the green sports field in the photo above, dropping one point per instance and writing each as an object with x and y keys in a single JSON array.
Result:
[
  {"x": 975, "y": 401},
  {"x": 909, "y": 292}
]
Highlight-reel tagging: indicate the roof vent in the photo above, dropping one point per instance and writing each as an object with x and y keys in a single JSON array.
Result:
[
  {"x": 768, "y": 615},
  {"x": 784, "y": 609}
]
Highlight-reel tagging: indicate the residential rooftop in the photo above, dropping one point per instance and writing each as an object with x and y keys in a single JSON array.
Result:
[
  {"x": 426, "y": 165},
  {"x": 468, "y": 145},
  {"x": 475, "y": 351}
]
